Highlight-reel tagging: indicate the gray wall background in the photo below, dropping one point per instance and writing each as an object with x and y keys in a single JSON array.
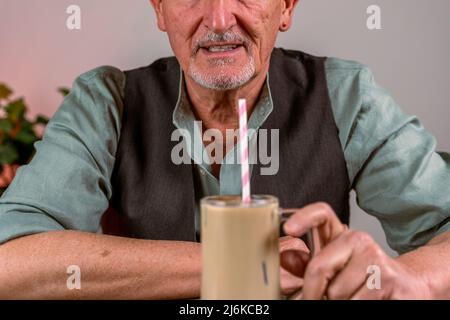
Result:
[{"x": 409, "y": 56}]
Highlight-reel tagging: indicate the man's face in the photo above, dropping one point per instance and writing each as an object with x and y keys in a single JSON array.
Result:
[{"x": 222, "y": 44}]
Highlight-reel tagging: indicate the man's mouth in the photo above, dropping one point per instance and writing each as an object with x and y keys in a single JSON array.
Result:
[
  {"x": 214, "y": 48},
  {"x": 221, "y": 48}
]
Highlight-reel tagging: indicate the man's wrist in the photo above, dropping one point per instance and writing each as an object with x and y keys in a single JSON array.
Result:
[
  {"x": 419, "y": 283},
  {"x": 428, "y": 265}
]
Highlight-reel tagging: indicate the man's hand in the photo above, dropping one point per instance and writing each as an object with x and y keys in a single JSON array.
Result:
[
  {"x": 292, "y": 249},
  {"x": 340, "y": 269}
]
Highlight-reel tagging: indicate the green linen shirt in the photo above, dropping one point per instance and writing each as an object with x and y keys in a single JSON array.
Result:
[{"x": 392, "y": 161}]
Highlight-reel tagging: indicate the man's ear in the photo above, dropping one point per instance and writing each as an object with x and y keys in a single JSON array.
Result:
[
  {"x": 158, "y": 6},
  {"x": 287, "y": 12}
]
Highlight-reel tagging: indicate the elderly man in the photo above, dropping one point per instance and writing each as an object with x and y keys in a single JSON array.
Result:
[{"x": 109, "y": 145}]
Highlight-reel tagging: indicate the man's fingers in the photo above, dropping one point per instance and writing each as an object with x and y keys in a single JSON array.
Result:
[
  {"x": 325, "y": 274},
  {"x": 289, "y": 282},
  {"x": 366, "y": 253},
  {"x": 364, "y": 293},
  {"x": 318, "y": 215},
  {"x": 294, "y": 261},
  {"x": 347, "y": 283},
  {"x": 325, "y": 266},
  {"x": 340, "y": 269},
  {"x": 291, "y": 243}
]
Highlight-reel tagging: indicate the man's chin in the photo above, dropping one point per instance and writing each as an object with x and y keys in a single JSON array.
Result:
[
  {"x": 223, "y": 77},
  {"x": 221, "y": 85}
]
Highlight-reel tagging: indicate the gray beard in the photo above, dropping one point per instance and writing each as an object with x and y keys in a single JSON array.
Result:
[{"x": 219, "y": 79}]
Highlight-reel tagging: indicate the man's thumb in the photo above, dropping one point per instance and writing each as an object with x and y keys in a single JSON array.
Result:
[{"x": 294, "y": 261}]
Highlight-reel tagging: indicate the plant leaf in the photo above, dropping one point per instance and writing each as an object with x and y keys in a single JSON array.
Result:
[
  {"x": 40, "y": 119},
  {"x": 5, "y": 126},
  {"x": 26, "y": 137},
  {"x": 64, "y": 91},
  {"x": 5, "y": 91},
  {"x": 16, "y": 110},
  {"x": 8, "y": 154}
]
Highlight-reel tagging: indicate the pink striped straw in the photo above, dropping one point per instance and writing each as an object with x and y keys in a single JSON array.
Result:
[{"x": 243, "y": 141}]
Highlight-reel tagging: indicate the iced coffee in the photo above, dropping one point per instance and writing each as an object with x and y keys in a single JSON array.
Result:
[{"x": 240, "y": 253}]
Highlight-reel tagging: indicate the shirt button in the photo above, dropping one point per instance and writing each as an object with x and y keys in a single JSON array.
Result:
[{"x": 202, "y": 172}]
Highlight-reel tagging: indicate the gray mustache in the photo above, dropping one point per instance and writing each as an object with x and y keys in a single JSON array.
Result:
[{"x": 228, "y": 36}]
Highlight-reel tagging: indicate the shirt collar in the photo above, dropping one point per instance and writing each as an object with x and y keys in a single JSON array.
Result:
[{"x": 183, "y": 117}]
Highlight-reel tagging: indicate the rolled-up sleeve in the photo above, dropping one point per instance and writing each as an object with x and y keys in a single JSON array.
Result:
[
  {"x": 397, "y": 173},
  {"x": 67, "y": 186}
]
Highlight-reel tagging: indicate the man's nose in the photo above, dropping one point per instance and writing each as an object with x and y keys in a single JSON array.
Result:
[{"x": 219, "y": 15}]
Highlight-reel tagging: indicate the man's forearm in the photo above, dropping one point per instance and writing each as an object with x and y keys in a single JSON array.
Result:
[
  {"x": 111, "y": 267},
  {"x": 432, "y": 263}
]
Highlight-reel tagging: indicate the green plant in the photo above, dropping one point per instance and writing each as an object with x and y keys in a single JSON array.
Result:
[{"x": 18, "y": 133}]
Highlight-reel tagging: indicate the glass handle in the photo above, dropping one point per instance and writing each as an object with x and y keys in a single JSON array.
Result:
[{"x": 310, "y": 238}]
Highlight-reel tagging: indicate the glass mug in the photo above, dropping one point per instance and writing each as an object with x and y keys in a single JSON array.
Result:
[{"x": 240, "y": 247}]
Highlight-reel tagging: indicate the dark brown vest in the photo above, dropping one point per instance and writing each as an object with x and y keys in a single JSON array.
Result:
[{"x": 155, "y": 198}]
